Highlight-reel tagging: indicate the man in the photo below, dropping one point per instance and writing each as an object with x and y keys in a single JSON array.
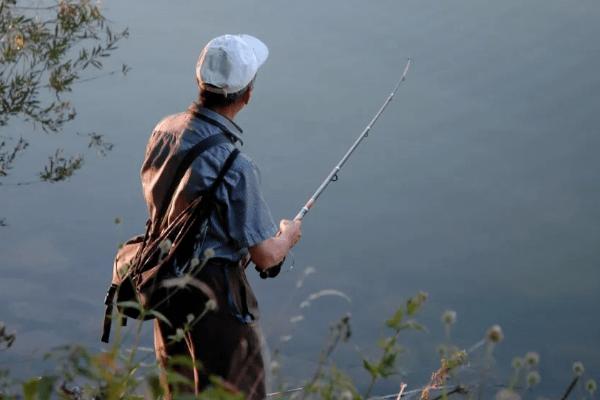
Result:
[{"x": 224, "y": 342}]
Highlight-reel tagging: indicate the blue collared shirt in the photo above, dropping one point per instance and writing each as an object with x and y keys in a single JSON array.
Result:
[{"x": 242, "y": 218}]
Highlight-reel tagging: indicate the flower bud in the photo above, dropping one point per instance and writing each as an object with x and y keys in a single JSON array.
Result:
[
  {"x": 494, "y": 334},
  {"x": 591, "y": 386},
  {"x": 517, "y": 363},
  {"x": 533, "y": 378}
]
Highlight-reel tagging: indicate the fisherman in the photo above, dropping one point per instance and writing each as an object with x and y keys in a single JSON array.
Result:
[{"x": 225, "y": 342}]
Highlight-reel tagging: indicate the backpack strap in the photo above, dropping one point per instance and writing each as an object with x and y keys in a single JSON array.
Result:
[
  {"x": 188, "y": 159},
  {"x": 226, "y": 166},
  {"x": 108, "y": 302}
]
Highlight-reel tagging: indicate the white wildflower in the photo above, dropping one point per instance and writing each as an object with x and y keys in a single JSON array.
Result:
[
  {"x": 532, "y": 359},
  {"x": 165, "y": 247},
  {"x": 578, "y": 368},
  {"x": 275, "y": 366},
  {"x": 449, "y": 317},
  {"x": 211, "y": 305},
  {"x": 507, "y": 394},
  {"x": 346, "y": 395},
  {"x": 179, "y": 334},
  {"x": 209, "y": 253}
]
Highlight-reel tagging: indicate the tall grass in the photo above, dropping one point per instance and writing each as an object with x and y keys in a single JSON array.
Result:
[{"x": 130, "y": 372}]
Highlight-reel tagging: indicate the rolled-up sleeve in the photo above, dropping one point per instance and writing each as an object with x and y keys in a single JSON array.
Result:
[{"x": 248, "y": 216}]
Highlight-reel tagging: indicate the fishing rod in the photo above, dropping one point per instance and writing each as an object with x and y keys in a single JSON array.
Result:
[{"x": 333, "y": 175}]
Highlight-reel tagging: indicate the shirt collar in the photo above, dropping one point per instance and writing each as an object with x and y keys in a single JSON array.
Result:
[{"x": 217, "y": 119}]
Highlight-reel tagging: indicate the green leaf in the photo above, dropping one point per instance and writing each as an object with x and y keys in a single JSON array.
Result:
[
  {"x": 372, "y": 369},
  {"x": 414, "y": 325},
  {"x": 161, "y": 317},
  {"x": 30, "y": 389},
  {"x": 176, "y": 378},
  {"x": 131, "y": 304},
  {"x": 39, "y": 388},
  {"x": 396, "y": 319},
  {"x": 387, "y": 366},
  {"x": 414, "y": 304},
  {"x": 153, "y": 382},
  {"x": 457, "y": 359}
]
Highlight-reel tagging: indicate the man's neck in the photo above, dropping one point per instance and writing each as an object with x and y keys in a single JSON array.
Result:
[{"x": 229, "y": 111}]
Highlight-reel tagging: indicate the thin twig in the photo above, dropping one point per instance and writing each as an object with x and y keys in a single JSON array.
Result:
[
  {"x": 570, "y": 388},
  {"x": 402, "y": 387},
  {"x": 23, "y": 183},
  {"x": 456, "y": 389},
  {"x": 459, "y": 389},
  {"x": 322, "y": 360}
]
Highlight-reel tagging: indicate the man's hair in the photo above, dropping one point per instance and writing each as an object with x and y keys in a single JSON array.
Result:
[{"x": 215, "y": 100}]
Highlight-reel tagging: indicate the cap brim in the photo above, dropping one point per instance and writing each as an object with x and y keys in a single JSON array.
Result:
[{"x": 261, "y": 51}]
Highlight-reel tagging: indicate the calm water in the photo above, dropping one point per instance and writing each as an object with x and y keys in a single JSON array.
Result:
[{"x": 479, "y": 185}]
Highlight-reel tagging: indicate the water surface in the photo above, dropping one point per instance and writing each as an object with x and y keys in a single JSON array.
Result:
[{"x": 479, "y": 185}]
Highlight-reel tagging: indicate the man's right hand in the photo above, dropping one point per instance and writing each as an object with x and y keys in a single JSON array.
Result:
[
  {"x": 291, "y": 230},
  {"x": 272, "y": 251}
]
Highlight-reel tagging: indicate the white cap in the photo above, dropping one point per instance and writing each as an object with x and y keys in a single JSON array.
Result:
[{"x": 228, "y": 63}]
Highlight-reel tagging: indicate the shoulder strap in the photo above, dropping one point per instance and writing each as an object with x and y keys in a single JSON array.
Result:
[
  {"x": 226, "y": 166},
  {"x": 191, "y": 155}
]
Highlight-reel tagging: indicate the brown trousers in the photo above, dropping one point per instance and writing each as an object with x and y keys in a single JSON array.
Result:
[{"x": 219, "y": 344}]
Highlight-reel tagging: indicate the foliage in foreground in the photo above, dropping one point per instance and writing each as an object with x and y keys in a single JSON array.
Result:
[{"x": 132, "y": 374}]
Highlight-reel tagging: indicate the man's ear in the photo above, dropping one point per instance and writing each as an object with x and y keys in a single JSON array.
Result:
[{"x": 248, "y": 95}]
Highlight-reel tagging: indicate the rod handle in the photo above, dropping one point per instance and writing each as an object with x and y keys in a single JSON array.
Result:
[{"x": 305, "y": 209}]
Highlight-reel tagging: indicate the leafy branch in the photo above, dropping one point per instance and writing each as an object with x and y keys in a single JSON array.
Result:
[
  {"x": 385, "y": 366},
  {"x": 60, "y": 168},
  {"x": 44, "y": 52}
]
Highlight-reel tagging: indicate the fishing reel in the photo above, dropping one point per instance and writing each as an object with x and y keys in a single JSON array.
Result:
[{"x": 270, "y": 272}]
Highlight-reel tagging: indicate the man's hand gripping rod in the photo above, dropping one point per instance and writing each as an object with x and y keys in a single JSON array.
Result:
[{"x": 332, "y": 177}]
